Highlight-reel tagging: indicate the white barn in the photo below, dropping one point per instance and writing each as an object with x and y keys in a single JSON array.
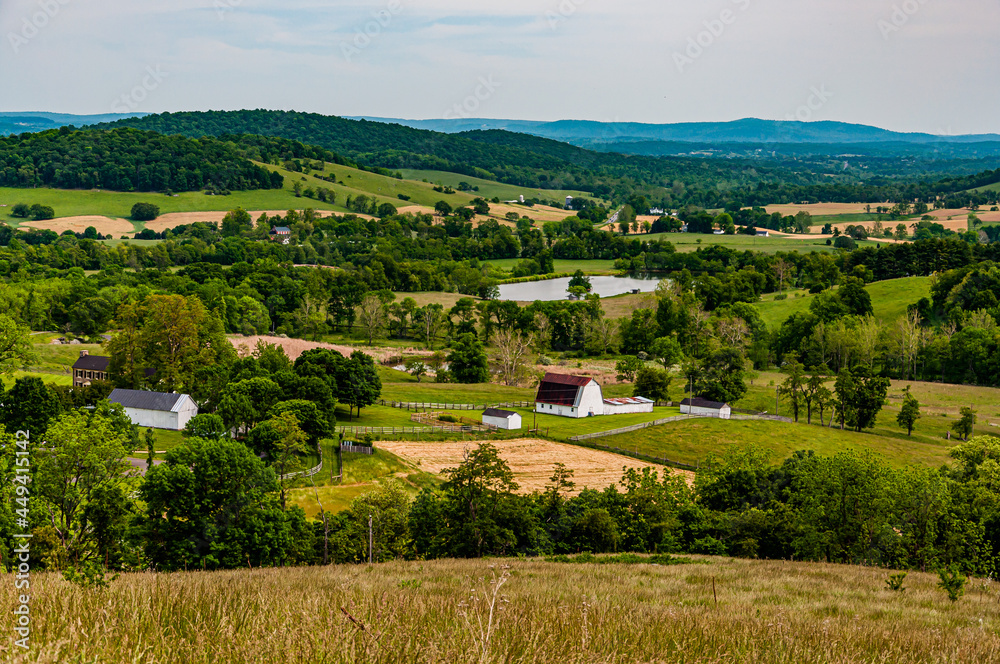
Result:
[
  {"x": 569, "y": 396},
  {"x": 502, "y": 419},
  {"x": 705, "y": 408},
  {"x": 159, "y": 410}
]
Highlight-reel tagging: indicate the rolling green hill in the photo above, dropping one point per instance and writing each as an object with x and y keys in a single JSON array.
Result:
[{"x": 889, "y": 300}]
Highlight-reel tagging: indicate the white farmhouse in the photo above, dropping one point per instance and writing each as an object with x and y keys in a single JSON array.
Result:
[
  {"x": 705, "y": 408},
  {"x": 502, "y": 419},
  {"x": 159, "y": 410}
]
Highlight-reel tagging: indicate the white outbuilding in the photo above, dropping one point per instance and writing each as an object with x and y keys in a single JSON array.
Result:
[
  {"x": 502, "y": 419},
  {"x": 705, "y": 408},
  {"x": 159, "y": 410},
  {"x": 622, "y": 405}
]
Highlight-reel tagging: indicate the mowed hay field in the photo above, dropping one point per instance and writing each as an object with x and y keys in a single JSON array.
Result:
[
  {"x": 531, "y": 461},
  {"x": 709, "y": 610}
]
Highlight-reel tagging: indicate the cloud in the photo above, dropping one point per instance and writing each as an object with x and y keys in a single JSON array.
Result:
[{"x": 595, "y": 59}]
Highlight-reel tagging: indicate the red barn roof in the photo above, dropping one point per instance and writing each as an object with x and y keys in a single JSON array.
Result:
[{"x": 561, "y": 389}]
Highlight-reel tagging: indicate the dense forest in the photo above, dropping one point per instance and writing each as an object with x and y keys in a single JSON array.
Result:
[
  {"x": 127, "y": 160},
  {"x": 526, "y": 160}
]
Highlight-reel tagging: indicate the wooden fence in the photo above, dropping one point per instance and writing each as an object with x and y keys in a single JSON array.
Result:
[
  {"x": 676, "y": 418},
  {"x": 422, "y": 405},
  {"x": 304, "y": 473},
  {"x": 664, "y": 461},
  {"x": 386, "y": 431}
]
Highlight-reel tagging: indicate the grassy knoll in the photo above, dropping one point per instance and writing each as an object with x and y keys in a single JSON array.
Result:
[
  {"x": 939, "y": 404},
  {"x": 889, "y": 300},
  {"x": 488, "y": 188},
  {"x": 404, "y": 387},
  {"x": 71, "y": 203},
  {"x": 688, "y": 242},
  {"x": 598, "y": 267},
  {"x": 691, "y": 441},
  {"x": 709, "y": 610},
  {"x": 362, "y": 473}
]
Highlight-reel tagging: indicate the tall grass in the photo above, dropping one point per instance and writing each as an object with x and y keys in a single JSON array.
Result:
[{"x": 767, "y": 612}]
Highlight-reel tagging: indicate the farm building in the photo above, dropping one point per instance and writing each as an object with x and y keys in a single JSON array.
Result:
[
  {"x": 580, "y": 396},
  {"x": 569, "y": 396},
  {"x": 281, "y": 233},
  {"x": 621, "y": 405},
  {"x": 763, "y": 233},
  {"x": 705, "y": 408},
  {"x": 502, "y": 419},
  {"x": 159, "y": 410},
  {"x": 89, "y": 368}
]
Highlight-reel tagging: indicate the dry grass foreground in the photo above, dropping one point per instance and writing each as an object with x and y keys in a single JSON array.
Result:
[
  {"x": 532, "y": 461},
  {"x": 765, "y": 613},
  {"x": 104, "y": 225},
  {"x": 295, "y": 347}
]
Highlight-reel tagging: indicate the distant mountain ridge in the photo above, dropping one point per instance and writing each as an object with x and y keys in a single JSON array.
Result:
[
  {"x": 746, "y": 130},
  {"x": 20, "y": 122}
]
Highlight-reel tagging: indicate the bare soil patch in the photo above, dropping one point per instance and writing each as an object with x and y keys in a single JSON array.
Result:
[
  {"x": 173, "y": 219},
  {"x": 531, "y": 460},
  {"x": 104, "y": 225},
  {"x": 295, "y": 347},
  {"x": 816, "y": 209}
]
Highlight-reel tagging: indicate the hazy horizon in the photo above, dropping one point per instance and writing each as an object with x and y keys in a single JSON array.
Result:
[{"x": 909, "y": 66}]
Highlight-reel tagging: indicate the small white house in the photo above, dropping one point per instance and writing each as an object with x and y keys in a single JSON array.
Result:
[
  {"x": 159, "y": 410},
  {"x": 763, "y": 233},
  {"x": 569, "y": 396},
  {"x": 705, "y": 408},
  {"x": 502, "y": 419},
  {"x": 569, "y": 201}
]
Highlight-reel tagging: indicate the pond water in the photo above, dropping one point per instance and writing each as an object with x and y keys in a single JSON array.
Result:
[{"x": 555, "y": 289}]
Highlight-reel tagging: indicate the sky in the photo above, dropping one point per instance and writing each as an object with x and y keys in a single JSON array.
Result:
[{"x": 913, "y": 65}]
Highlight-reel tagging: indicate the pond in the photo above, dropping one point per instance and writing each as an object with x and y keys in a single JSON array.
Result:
[{"x": 555, "y": 289}]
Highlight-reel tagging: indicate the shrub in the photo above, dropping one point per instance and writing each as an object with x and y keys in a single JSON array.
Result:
[
  {"x": 895, "y": 582},
  {"x": 844, "y": 242},
  {"x": 145, "y": 212},
  {"x": 42, "y": 212},
  {"x": 21, "y": 210},
  {"x": 952, "y": 582}
]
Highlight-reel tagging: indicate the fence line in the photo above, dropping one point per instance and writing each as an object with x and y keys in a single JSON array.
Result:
[
  {"x": 356, "y": 449},
  {"x": 647, "y": 457},
  {"x": 427, "y": 405},
  {"x": 304, "y": 473},
  {"x": 676, "y": 418},
  {"x": 414, "y": 430}
]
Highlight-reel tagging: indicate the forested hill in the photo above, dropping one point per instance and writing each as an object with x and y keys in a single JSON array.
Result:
[
  {"x": 131, "y": 160},
  {"x": 508, "y": 157}
]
